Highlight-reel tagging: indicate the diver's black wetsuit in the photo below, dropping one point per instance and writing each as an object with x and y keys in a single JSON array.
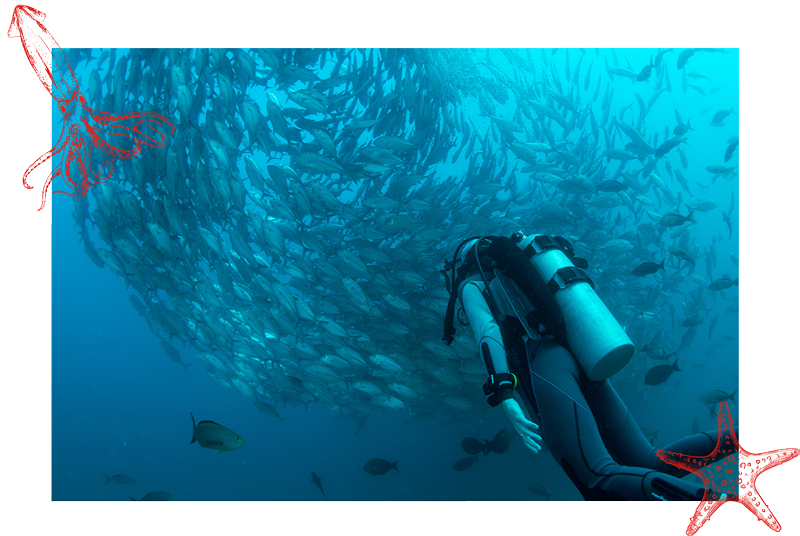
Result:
[
  {"x": 594, "y": 438},
  {"x": 588, "y": 429}
]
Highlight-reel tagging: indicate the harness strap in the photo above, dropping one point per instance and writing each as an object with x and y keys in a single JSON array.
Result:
[{"x": 565, "y": 276}]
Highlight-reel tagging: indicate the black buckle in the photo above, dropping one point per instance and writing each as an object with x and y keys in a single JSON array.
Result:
[
  {"x": 543, "y": 242},
  {"x": 565, "y": 276}
]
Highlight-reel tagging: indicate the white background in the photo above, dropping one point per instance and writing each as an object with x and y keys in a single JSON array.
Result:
[{"x": 768, "y": 206}]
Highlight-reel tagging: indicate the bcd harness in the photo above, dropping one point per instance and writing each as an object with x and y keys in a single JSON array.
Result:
[{"x": 505, "y": 256}]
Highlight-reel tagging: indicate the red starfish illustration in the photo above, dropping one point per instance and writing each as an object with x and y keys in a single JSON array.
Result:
[{"x": 720, "y": 480}]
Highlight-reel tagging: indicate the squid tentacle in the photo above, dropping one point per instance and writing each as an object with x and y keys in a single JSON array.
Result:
[
  {"x": 53, "y": 174},
  {"x": 107, "y": 119},
  {"x": 96, "y": 178},
  {"x": 67, "y": 166},
  {"x": 110, "y": 164},
  {"x": 109, "y": 149},
  {"x": 86, "y": 184},
  {"x": 72, "y": 154},
  {"x": 42, "y": 159}
]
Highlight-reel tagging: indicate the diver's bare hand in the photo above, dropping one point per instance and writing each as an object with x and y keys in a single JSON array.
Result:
[{"x": 523, "y": 426}]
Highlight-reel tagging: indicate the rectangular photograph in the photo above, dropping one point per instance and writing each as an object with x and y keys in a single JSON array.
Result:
[{"x": 393, "y": 274}]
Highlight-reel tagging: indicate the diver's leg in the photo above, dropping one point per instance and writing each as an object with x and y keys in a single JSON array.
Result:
[
  {"x": 624, "y": 437},
  {"x": 700, "y": 444},
  {"x": 573, "y": 437},
  {"x": 617, "y": 426}
]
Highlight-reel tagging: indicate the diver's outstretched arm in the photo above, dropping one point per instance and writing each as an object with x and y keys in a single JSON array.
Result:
[
  {"x": 493, "y": 353},
  {"x": 484, "y": 327}
]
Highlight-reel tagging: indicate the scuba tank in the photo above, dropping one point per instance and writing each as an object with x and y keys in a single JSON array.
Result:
[{"x": 594, "y": 336}]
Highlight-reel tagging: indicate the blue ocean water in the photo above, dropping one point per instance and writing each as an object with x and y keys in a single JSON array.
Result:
[{"x": 121, "y": 406}]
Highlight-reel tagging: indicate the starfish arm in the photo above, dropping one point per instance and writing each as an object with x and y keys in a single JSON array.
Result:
[
  {"x": 701, "y": 515},
  {"x": 687, "y": 463},
  {"x": 753, "y": 502},
  {"x": 734, "y": 479},
  {"x": 752, "y": 465},
  {"x": 768, "y": 460}
]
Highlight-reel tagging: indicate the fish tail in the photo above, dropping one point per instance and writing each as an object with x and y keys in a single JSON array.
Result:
[
  {"x": 736, "y": 281},
  {"x": 733, "y": 395},
  {"x": 394, "y": 466},
  {"x": 675, "y": 366},
  {"x": 194, "y": 429},
  {"x": 108, "y": 478},
  {"x": 662, "y": 264},
  {"x": 131, "y": 498},
  {"x": 689, "y": 217}
]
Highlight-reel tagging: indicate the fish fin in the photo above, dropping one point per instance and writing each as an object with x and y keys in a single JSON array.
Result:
[
  {"x": 108, "y": 478},
  {"x": 194, "y": 428},
  {"x": 131, "y": 498}
]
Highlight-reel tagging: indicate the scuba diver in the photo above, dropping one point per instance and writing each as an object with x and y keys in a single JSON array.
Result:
[{"x": 543, "y": 333}]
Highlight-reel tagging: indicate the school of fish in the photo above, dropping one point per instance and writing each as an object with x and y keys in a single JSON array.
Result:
[{"x": 290, "y": 236}]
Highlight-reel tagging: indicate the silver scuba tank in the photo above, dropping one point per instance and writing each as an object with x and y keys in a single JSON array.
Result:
[{"x": 595, "y": 337}]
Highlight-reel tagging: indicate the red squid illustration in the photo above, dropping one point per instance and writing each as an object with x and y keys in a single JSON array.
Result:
[{"x": 84, "y": 127}]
